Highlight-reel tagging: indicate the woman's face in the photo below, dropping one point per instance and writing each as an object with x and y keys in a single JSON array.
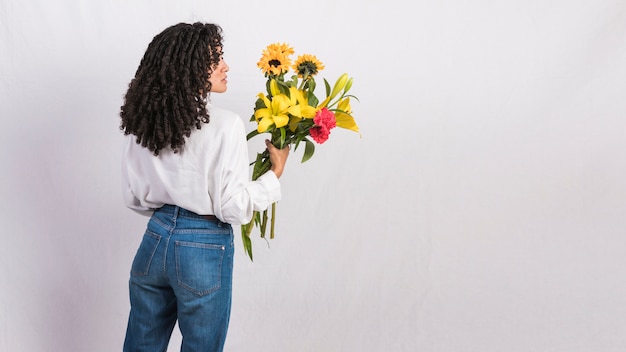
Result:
[{"x": 218, "y": 77}]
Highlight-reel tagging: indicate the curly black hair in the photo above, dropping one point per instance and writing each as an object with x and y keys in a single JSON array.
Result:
[{"x": 167, "y": 97}]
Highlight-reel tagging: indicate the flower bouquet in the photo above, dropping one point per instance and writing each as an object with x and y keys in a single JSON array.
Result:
[{"x": 291, "y": 113}]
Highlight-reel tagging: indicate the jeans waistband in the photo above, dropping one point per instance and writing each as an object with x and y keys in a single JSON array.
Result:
[{"x": 178, "y": 211}]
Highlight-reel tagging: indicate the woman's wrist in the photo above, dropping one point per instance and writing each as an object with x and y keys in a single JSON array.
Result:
[{"x": 278, "y": 171}]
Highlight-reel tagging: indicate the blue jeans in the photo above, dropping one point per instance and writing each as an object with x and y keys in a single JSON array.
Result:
[{"x": 182, "y": 271}]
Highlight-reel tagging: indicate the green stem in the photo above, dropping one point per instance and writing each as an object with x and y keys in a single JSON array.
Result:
[
  {"x": 273, "y": 221},
  {"x": 262, "y": 165}
]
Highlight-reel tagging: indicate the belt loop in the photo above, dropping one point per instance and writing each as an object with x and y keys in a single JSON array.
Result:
[{"x": 176, "y": 212}]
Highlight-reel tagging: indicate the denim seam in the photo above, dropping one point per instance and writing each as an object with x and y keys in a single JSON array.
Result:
[
  {"x": 201, "y": 231},
  {"x": 156, "y": 237},
  {"x": 160, "y": 223},
  {"x": 167, "y": 242}
]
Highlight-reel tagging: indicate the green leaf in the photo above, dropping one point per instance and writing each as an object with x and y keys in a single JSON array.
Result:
[
  {"x": 261, "y": 165},
  {"x": 246, "y": 229},
  {"x": 311, "y": 85},
  {"x": 252, "y": 134},
  {"x": 313, "y": 101},
  {"x": 257, "y": 217},
  {"x": 259, "y": 103},
  {"x": 348, "y": 86},
  {"x": 351, "y": 97},
  {"x": 283, "y": 137},
  {"x": 299, "y": 139},
  {"x": 327, "y": 87},
  {"x": 247, "y": 245},
  {"x": 263, "y": 224},
  {"x": 309, "y": 149},
  {"x": 283, "y": 87},
  {"x": 267, "y": 87}
]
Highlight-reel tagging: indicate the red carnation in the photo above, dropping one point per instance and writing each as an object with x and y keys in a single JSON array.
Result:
[
  {"x": 325, "y": 118},
  {"x": 324, "y": 121},
  {"x": 319, "y": 134}
]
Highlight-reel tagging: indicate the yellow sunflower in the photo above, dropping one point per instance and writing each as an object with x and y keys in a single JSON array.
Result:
[
  {"x": 275, "y": 59},
  {"x": 307, "y": 65}
]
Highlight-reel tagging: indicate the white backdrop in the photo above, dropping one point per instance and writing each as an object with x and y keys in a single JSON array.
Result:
[{"x": 482, "y": 210}]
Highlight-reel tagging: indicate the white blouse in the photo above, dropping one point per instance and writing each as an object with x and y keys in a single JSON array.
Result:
[{"x": 209, "y": 176}]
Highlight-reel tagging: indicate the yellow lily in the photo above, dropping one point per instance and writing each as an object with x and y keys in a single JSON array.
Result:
[
  {"x": 274, "y": 91},
  {"x": 344, "y": 82},
  {"x": 300, "y": 108},
  {"x": 343, "y": 116},
  {"x": 339, "y": 85},
  {"x": 344, "y": 105},
  {"x": 275, "y": 112},
  {"x": 346, "y": 121}
]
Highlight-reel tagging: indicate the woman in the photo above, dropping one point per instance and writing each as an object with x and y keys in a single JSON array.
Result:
[{"x": 185, "y": 163}]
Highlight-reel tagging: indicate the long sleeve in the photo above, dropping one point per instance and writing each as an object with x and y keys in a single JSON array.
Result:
[
  {"x": 211, "y": 175},
  {"x": 241, "y": 196}
]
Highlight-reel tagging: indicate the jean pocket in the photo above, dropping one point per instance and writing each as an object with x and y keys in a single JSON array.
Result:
[
  {"x": 199, "y": 266},
  {"x": 145, "y": 253}
]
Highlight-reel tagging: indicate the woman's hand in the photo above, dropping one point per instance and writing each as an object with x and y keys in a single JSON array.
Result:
[{"x": 278, "y": 157}]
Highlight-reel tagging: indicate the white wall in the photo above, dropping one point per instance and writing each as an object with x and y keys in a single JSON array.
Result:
[{"x": 482, "y": 210}]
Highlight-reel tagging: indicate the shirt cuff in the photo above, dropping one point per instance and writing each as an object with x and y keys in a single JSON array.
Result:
[{"x": 272, "y": 191}]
